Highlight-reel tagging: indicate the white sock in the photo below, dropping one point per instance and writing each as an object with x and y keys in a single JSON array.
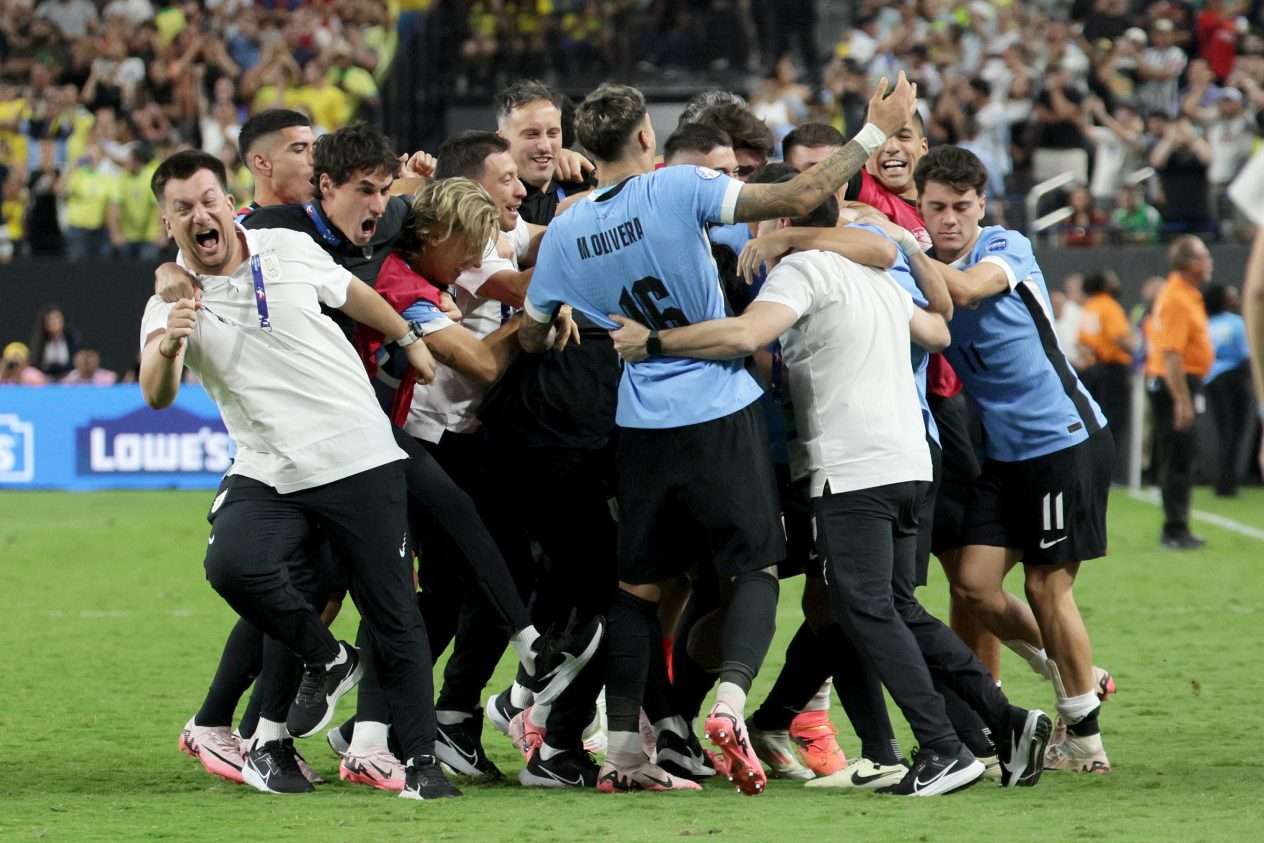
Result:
[
  {"x": 519, "y": 697},
  {"x": 521, "y": 642},
  {"x": 675, "y": 724},
  {"x": 338, "y": 659},
  {"x": 625, "y": 751},
  {"x": 1035, "y": 657},
  {"x": 451, "y": 718},
  {"x": 268, "y": 731},
  {"x": 547, "y": 752},
  {"x": 1075, "y": 709},
  {"x": 368, "y": 737},
  {"x": 821, "y": 699},
  {"x": 732, "y": 696},
  {"x": 539, "y": 714}
]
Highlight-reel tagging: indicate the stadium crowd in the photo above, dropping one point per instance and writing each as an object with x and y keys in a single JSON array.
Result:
[{"x": 671, "y": 346}]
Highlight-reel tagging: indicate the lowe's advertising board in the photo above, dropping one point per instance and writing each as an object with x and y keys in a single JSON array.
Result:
[{"x": 86, "y": 437}]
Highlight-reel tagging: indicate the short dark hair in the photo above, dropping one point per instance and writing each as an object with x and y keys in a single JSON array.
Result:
[
  {"x": 958, "y": 168},
  {"x": 695, "y": 137},
  {"x": 265, "y": 123},
  {"x": 517, "y": 94},
  {"x": 1215, "y": 299},
  {"x": 353, "y": 149},
  {"x": 811, "y": 135},
  {"x": 748, "y": 131},
  {"x": 824, "y": 215},
  {"x": 774, "y": 173},
  {"x": 182, "y": 165},
  {"x": 701, "y": 102},
  {"x": 465, "y": 154},
  {"x": 606, "y": 119}
]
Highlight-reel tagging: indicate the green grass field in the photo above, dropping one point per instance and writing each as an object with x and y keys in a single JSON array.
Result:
[{"x": 111, "y": 634}]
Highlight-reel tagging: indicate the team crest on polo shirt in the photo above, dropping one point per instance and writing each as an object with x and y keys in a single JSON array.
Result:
[
  {"x": 708, "y": 173},
  {"x": 271, "y": 266}
]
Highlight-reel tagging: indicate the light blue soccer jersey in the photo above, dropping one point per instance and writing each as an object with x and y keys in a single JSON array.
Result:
[
  {"x": 640, "y": 249},
  {"x": 1006, "y": 353},
  {"x": 903, "y": 276}
]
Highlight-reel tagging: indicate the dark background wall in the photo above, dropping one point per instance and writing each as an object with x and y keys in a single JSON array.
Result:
[{"x": 104, "y": 300}]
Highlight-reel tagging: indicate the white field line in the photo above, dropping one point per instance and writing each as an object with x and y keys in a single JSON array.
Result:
[{"x": 1151, "y": 496}]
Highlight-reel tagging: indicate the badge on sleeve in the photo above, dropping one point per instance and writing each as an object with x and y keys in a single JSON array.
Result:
[
  {"x": 271, "y": 267},
  {"x": 997, "y": 245},
  {"x": 708, "y": 173}
]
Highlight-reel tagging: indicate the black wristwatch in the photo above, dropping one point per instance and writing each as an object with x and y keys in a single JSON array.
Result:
[{"x": 653, "y": 345}]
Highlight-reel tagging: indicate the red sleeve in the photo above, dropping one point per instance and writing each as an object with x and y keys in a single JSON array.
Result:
[{"x": 401, "y": 286}]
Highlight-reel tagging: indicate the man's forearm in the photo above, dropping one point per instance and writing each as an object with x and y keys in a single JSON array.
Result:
[
  {"x": 717, "y": 339},
  {"x": 1174, "y": 377},
  {"x": 365, "y": 306},
  {"x": 160, "y": 374},
  {"x": 805, "y": 191},
  {"x": 931, "y": 282},
  {"x": 863, "y": 247}
]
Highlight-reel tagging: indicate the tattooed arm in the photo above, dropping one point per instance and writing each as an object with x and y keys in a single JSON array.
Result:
[{"x": 812, "y": 187}]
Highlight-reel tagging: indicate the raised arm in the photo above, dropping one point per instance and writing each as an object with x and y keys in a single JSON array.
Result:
[
  {"x": 813, "y": 186},
  {"x": 855, "y": 244}
]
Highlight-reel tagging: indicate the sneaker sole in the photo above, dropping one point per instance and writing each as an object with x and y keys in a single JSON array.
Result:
[
  {"x": 526, "y": 778},
  {"x": 331, "y": 702},
  {"x": 750, "y": 779},
  {"x": 359, "y": 778},
  {"x": 250, "y": 777},
  {"x": 569, "y": 669},
  {"x": 681, "y": 766},
  {"x": 1034, "y": 741}
]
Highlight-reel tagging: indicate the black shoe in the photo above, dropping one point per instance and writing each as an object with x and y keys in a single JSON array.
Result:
[
  {"x": 424, "y": 779},
  {"x": 460, "y": 747},
  {"x": 1021, "y": 750},
  {"x": 569, "y": 768},
  {"x": 272, "y": 767},
  {"x": 1181, "y": 541},
  {"x": 933, "y": 774},
  {"x": 313, "y": 705},
  {"x": 500, "y": 710},
  {"x": 559, "y": 659},
  {"x": 683, "y": 757}
]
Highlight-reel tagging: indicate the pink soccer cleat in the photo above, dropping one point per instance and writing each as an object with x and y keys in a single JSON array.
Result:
[
  {"x": 647, "y": 777},
  {"x": 726, "y": 729},
  {"x": 817, "y": 740},
  {"x": 216, "y": 748},
  {"x": 525, "y": 735},
  {"x": 378, "y": 769}
]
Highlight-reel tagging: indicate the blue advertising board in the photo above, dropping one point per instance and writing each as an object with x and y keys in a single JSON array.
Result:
[{"x": 87, "y": 437}]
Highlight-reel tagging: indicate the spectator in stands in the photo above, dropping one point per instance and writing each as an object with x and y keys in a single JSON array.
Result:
[
  {"x": 88, "y": 370},
  {"x": 1218, "y": 35},
  {"x": 43, "y": 229},
  {"x": 135, "y": 224},
  {"x": 1133, "y": 220},
  {"x": 1228, "y": 383},
  {"x": 1231, "y": 136},
  {"x": 87, "y": 191},
  {"x": 74, "y": 18},
  {"x": 1059, "y": 135},
  {"x": 1106, "y": 343},
  {"x": 1068, "y": 315},
  {"x": 1087, "y": 224},
  {"x": 1181, "y": 157},
  {"x": 1160, "y": 69},
  {"x": 1117, "y": 143},
  {"x": 16, "y": 369},
  {"x": 53, "y": 346}
]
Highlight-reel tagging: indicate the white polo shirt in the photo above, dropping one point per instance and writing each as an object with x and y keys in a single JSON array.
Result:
[
  {"x": 847, "y": 358},
  {"x": 296, "y": 398},
  {"x": 451, "y": 401}
]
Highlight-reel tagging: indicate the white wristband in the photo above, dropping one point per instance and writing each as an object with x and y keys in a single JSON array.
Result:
[
  {"x": 870, "y": 138},
  {"x": 908, "y": 243}
]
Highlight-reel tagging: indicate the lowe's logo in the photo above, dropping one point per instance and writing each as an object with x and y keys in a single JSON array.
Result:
[
  {"x": 148, "y": 442},
  {"x": 17, "y": 449}
]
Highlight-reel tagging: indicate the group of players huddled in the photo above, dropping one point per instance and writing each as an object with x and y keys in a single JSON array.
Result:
[{"x": 612, "y": 401}]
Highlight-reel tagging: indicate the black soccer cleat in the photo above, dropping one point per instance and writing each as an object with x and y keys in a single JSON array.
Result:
[
  {"x": 559, "y": 659},
  {"x": 683, "y": 757},
  {"x": 424, "y": 779},
  {"x": 1021, "y": 749},
  {"x": 319, "y": 692},
  {"x": 569, "y": 768},
  {"x": 273, "y": 767},
  {"x": 933, "y": 774},
  {"x": 460, "y": 747},
  {"x": 500, "y": 710}
]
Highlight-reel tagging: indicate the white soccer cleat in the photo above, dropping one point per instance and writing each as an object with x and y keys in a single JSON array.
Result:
[
  {"x": 862, "y": 774},
  {"x": 776, "y": 750}
]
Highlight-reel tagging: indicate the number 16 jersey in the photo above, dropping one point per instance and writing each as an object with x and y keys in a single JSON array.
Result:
[{"x": 639, "y": 248}]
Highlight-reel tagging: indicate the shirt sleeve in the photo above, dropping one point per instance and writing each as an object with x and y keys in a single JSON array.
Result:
[
  {"x": 521, "y": 237},
  {"x": 315, "y": 266},
  {"x": 544, "y": 295},
  {"x": 710, "y": 195},
  {"x": 1171, "y": 325},
  {"x": 431, "y": 318},
  {"x": 1010, "y": 251},
  {"x": 472, "y": 280},
  {"x": 155, "y": 318},
  {"x": 788, "y": 285}
]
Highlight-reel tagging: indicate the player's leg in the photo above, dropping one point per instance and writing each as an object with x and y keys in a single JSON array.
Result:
[{"x": 208, "y": 736}]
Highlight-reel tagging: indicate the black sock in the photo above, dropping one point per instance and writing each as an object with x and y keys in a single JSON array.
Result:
[
  {"x": 657, "y": 701},
  {"x": 239, "y": 664},
  {"x": 629, "y": 632},
  {"x": 860, "y": 692},
  {"x": 690, "y": 681},
  {"x": 1086, "y": 727},
  {"x": 969, "y": 726},
  {"x": 749, "y": 624},
  {"x": 806, "y": 668}
]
